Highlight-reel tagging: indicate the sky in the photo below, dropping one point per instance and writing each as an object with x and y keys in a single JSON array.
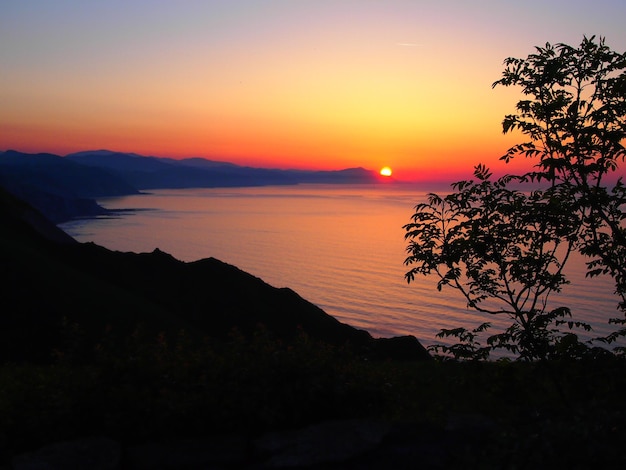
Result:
[{"x": 312, "y": 84}]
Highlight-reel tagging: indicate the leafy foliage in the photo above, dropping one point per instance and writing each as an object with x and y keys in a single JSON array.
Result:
[
  {"x": 503, "y": 249},
  {"x": 576, "y": 122}
]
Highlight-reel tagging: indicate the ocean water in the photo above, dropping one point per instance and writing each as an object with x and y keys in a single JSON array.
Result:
[{"x": 340, "y": 247}]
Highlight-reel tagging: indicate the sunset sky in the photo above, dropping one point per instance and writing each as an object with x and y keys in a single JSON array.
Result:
[{"x": 317, "y": 84}]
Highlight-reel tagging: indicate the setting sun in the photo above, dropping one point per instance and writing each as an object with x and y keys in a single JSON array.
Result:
[{"x": 385, "y": 171}]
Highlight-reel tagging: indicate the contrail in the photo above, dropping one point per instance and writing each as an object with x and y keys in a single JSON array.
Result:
[{"x": 409, "y": 44}]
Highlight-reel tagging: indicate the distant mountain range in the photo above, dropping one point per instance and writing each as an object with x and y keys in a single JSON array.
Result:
[
  {"x": 63, "y": 188},
  {"x": 159, "y": 173}
]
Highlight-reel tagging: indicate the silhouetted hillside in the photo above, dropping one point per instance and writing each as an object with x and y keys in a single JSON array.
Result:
[
  {"x": 57, "y": 175},
  {"x": 54, "y": 282},
  {"x": 59, "y": 188},
  {"x": 20, "y": 221}
]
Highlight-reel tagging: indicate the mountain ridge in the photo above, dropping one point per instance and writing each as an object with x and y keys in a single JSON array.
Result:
[
  {"x": 147, "y": 172},
  {"x": 64, "y": 188}
]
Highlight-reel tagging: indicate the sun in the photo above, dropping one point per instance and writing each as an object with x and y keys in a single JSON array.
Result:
[{"x": 385, "y": 171}]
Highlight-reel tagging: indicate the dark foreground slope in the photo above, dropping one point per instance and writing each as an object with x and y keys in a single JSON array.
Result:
[{"x": 54, "y": 282}]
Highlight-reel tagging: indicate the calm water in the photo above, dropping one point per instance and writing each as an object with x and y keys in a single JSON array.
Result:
[{"x": 340, "y": 247}]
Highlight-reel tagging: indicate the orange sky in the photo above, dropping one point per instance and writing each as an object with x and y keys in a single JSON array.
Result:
[{"x": 311, "y": 84}]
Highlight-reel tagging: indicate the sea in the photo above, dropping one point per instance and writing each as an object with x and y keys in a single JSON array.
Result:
[{"x": 341, "y": 247}]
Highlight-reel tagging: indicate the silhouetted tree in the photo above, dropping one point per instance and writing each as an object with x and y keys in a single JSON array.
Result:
[{"x": 504, "y": 250}]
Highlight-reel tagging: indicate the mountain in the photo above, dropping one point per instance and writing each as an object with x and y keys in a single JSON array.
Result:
[
  {"x": 58, "y": 175},
  {"x": 197, "y": 162},
  {"x": 24, "y": 222},
  {"x": 59, "y": 188},
  {"x": 159, "y": 173},
  {"x": 64, "y": 188},
  {"x": 155, "y": 172},
  {"x": 346, "y": 176},
  {"x": 53, "y": 284}
]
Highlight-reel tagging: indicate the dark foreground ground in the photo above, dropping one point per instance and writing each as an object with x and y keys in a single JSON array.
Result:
[
  {"x": 122, "y": 360},
  {"x": 262, "y": 404}
]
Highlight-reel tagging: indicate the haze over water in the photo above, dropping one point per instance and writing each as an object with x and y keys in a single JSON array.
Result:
[{"x": 340, "y": 247}]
